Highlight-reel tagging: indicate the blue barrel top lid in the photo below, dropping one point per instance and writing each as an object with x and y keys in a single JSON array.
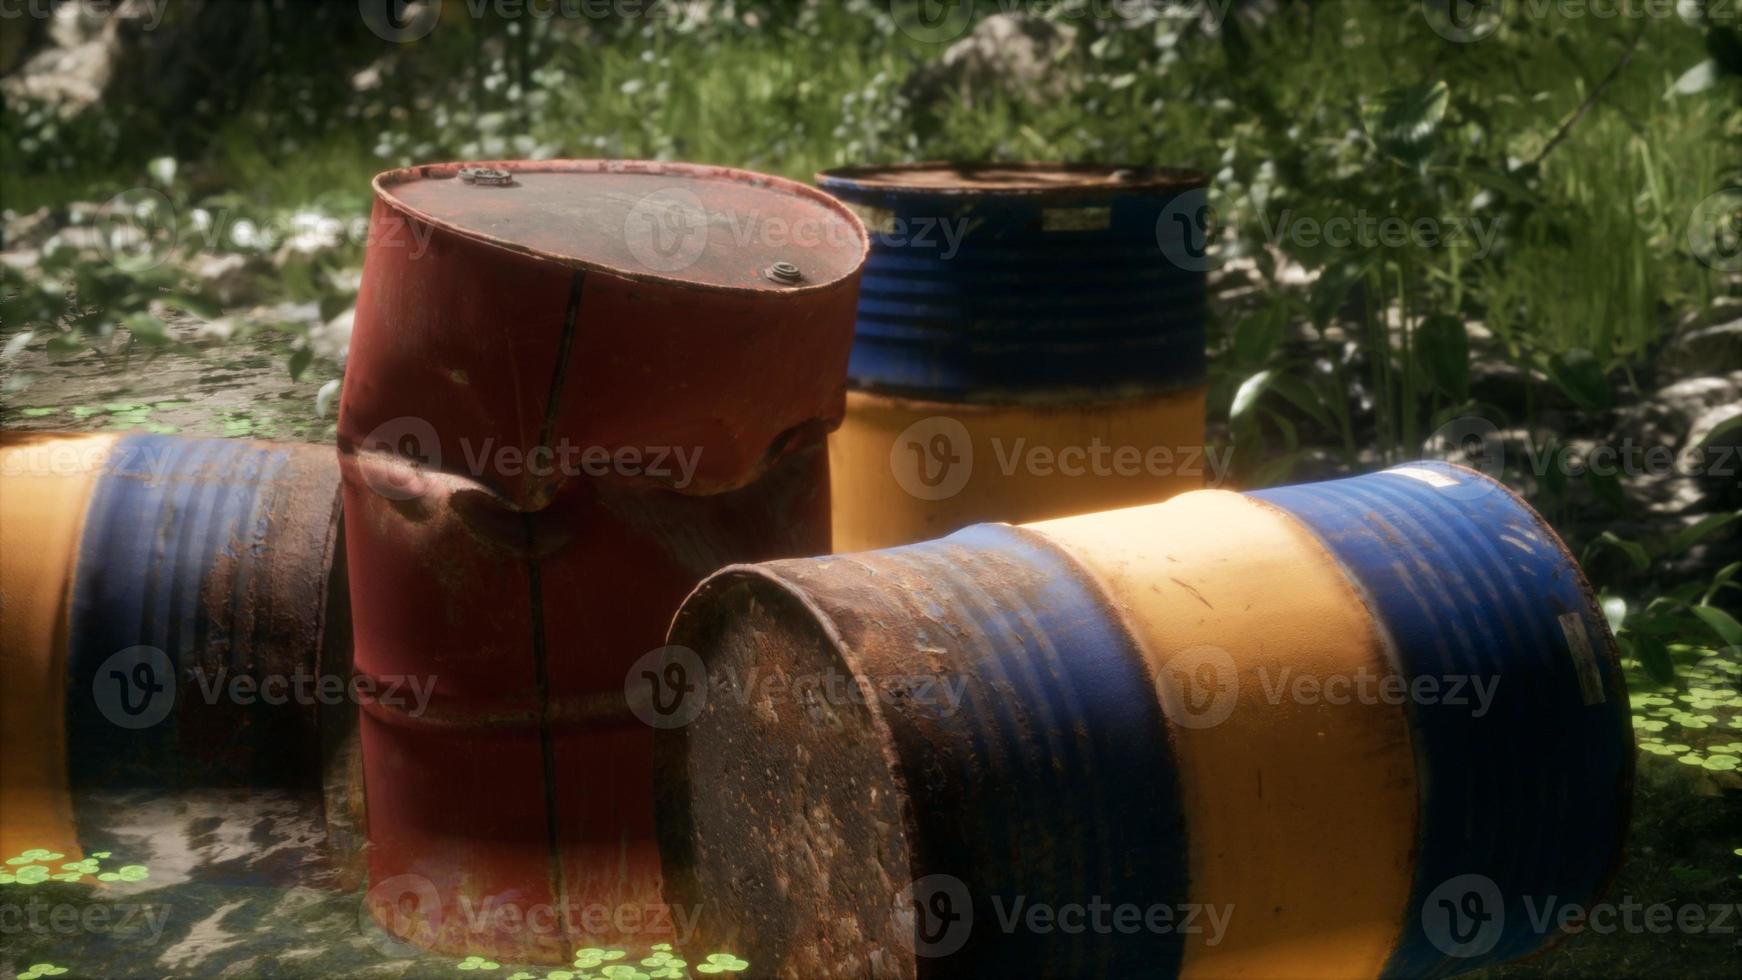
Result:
[{"x": 1028, "y": 282}]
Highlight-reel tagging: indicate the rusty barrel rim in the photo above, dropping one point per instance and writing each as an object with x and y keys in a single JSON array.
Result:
[
  {"x": 1559, "y": 695},
  {"x": 1058, "y": 710},
  {"x": 1023, "y": 178},
  {"x": 1063, "y": 284},
  {"x": 386, "y": 183}
]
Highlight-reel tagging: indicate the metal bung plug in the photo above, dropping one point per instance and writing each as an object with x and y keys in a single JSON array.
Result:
[
  {"x": 784, "y": 273},
  {"x": 486, "y": 176}
]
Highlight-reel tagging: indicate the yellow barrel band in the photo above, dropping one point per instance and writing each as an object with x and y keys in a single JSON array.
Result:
[
  {"x": 45, "y": 485},
  {"x": 1292, "y": 781},
  {"x": 906, "y": 470}
]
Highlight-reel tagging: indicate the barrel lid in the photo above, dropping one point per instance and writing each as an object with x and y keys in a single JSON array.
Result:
[
  {"x": 1015, "y": 179},
  {"x": 713, "y": 227}
]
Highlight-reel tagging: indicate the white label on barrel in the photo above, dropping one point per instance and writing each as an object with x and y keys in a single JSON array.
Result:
[
  {"x": 1584, "y": 661},
  {"x": 1429, "y": 477},
  {"x": 878, "y": 221},
  {"x": 1076, "y": 219}
]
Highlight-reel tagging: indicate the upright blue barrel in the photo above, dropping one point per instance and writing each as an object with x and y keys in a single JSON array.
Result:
[
  {"x": 1049, "y": 306},
  {"x": 1354, "y": 728}
]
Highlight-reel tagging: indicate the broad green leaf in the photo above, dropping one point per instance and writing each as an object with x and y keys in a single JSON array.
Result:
[
  {"x": 1257, "y": 335},
  {"x": 1722, "y": 623},
  {"x": 324, "y": 398},
  {"x": 1635, "y": 552},
  {"x": 146, "y": 329},
  {"x": 1689, "y": 536},
  {"x": 1581, "y": 378},
  {"x": 1247, "y": 395},
  {"x": 1303, "y": 396},
  {"x": 1615, "y": 611},
  {"x": 1402, "y": 121},
  {"x": 300, "y": 359}
]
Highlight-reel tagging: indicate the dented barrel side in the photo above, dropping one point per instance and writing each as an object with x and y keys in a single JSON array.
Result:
[{"x": 548, "y": 437}]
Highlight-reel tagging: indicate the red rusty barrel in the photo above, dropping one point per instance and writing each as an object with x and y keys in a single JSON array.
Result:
[{"x": 575, "y": 389}]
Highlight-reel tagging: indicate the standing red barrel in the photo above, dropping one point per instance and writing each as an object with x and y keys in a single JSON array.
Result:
[{"x": 575, "y": 389}]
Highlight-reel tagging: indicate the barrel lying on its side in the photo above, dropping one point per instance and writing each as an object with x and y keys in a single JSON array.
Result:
[
  {"x": 170, "y": 613},
  {"x": 1029, "y": 344},
  {"x": 1340, "y": 729}
]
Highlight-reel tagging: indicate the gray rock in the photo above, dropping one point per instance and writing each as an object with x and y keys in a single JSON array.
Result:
[
  {"x": 1012, "y": 53},
  {"x": 1710, "y": 343},
  {"x": 228, "y": 278}
]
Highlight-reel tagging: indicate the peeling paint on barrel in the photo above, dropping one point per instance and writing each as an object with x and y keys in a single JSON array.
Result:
[
  {"x": 527, "y": 318},
  {"x": 1023, "y": 304},
  {"x": 222, "y": 559},
  {"x": 1120, "y": 738}
]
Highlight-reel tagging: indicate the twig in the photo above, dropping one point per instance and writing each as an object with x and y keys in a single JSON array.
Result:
[{"x": 1591, "y": 100}]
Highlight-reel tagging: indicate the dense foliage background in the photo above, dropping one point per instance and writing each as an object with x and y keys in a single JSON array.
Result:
[{"x": 1509, "y": 232}]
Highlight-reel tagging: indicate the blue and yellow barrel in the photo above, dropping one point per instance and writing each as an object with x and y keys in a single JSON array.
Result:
[
  {"x": 1354, "y": 728},
  {"x": 1029, "y": 344},
  {"x": 168, "y": 618}
]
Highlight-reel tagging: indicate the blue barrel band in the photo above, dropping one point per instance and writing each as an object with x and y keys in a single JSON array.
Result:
[
  {"x": 988, "y": 295},
  {"x": 1059, "y": 722},
  {"x": 1469, "y": 583},
  {"x": 172, "y": 557}
]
